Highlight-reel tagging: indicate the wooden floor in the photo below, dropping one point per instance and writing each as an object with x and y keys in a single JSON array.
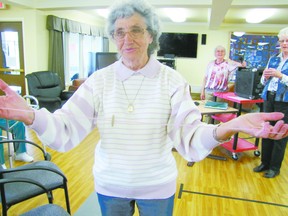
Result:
[{"x": 210, "y": 187}]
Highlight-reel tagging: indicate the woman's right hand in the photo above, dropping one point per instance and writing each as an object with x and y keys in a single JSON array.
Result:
[
  {"x": 202, "y": 95},
  {"x": 272, "y": 72},
  {"x": 13, "y": 106}
]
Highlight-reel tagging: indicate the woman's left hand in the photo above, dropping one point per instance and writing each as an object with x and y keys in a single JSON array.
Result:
[
  {"x": 243, "y": 64},
  {"x": 258, "y": 125},
  {"x": 255, "y": 124}
]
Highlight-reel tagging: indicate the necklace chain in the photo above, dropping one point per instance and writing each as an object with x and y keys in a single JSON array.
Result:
[
  {"x": 130, "y": 108},
  {"x": 219, "y": 62}
]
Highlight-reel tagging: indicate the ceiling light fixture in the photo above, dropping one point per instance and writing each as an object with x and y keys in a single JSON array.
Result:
[
  {"x": 103, "y": 12},
  {"x": 238, "y": 34},
  {"x": 176, "y": 14},
  {"x": 259, "y": 15}
]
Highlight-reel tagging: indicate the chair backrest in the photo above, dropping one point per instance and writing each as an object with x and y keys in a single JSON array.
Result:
[
  {"x": 42, "y": 172},
  {"x": 47, "y": 209},
  {"x": 44, "y": 84}
]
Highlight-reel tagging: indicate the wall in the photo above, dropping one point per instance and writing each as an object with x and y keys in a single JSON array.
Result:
[{"x": 194, "y": 69}]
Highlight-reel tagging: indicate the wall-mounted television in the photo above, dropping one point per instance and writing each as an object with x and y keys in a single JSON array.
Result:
[{"x": 178, "y": 44}]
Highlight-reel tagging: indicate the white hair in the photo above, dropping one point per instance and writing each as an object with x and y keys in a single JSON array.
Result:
[
  {"x": 283, "y": 32},
  {"x": 219, "y": 47}
]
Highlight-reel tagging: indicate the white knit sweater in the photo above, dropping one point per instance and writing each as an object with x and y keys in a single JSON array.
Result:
[{"x": 133, "y": 158}]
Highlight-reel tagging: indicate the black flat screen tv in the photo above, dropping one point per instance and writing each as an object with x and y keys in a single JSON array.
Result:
[{"x": 178, "y": 44}]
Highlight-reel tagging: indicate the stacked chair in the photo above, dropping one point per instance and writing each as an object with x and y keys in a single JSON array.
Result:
[
  {"x": 28, "y": 181},
  {"x": 31, "y": 180},
  {"x": 44, "y": 210}
]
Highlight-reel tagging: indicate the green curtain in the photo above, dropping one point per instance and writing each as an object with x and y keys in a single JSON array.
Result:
[
  {"x": 56, "y": 54},
  {"x": 56, "y": 27}
]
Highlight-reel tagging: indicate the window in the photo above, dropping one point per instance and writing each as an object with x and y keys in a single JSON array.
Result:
[
  {"x": 77, "y": 54},
  {"x": 10, "y": 49}
]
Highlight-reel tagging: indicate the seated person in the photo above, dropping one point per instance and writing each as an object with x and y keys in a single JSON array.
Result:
[{"x": 19, "y": 132}]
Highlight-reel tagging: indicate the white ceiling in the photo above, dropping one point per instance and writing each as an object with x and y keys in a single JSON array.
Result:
[{"x": 215, "y": 14}]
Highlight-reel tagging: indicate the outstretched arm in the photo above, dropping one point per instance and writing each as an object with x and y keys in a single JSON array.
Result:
[
  {"x": 255, "y": 124},
  {"x": 202, "y": 94},
  {"x": 13, "y": 106}
]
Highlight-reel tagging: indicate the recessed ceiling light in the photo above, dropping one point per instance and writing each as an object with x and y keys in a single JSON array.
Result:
[
  {"x": 103, "y": 12},
  {"x": 238, "y": 34},
  {"x": 176, "y": 14},
  {"x": 259, "y": 15}
]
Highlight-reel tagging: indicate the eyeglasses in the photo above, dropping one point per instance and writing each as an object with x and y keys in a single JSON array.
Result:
[
  {"x": 134, "y": 33},
  {"x": 282, "y": 41}
]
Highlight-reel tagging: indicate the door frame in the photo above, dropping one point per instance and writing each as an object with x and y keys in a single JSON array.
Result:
[{"x": 14, "y": 76}]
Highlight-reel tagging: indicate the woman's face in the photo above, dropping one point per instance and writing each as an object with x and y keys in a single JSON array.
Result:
[
  {"x": 132, "y": 41},
  {"x": 283, "y": 41},
  {"x": 220, "y": 54}
]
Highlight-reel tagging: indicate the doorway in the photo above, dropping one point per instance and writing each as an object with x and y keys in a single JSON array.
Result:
[{"x": 12, "y": 56}]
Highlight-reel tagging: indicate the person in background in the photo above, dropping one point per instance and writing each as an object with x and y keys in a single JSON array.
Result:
[
  {"x": 275, "y": 95},
  {"x": 218, "y": 74},
  {"x": 142, "y": 109},
  {"x": 20, "y": 149}
]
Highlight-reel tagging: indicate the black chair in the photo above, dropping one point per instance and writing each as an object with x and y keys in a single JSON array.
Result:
[
  {"x": 44, "y": 210},
  {"x": 46, "y": 86},
  {"x": 43, "y": 172}
]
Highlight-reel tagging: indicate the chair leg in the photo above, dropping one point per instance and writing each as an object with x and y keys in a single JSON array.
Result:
[
  {"x": 67, "y": 198},
  {"x": 50, "y": 197},
  {"x": 4, "y": 210},
  {"x": 5, "y": 207}
]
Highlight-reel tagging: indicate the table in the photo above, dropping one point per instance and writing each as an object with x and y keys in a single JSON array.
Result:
[
  {"x": 238, "y": 144},
  {"x": 211, "y": 111}
]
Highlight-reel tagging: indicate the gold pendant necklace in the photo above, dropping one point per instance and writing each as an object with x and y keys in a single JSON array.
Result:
[{"x": 130, "y": 107}]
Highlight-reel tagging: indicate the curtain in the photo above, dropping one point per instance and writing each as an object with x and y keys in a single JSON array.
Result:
[
  {"x": 56, "y": 27},
  {"x": 56, "y": 54}
]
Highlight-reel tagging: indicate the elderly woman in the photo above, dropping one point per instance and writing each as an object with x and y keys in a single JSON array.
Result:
[
  {"x": 218, "y": 74},
  {"x": 142, "y": 109},
  {"x": 275, "y": 95}
]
